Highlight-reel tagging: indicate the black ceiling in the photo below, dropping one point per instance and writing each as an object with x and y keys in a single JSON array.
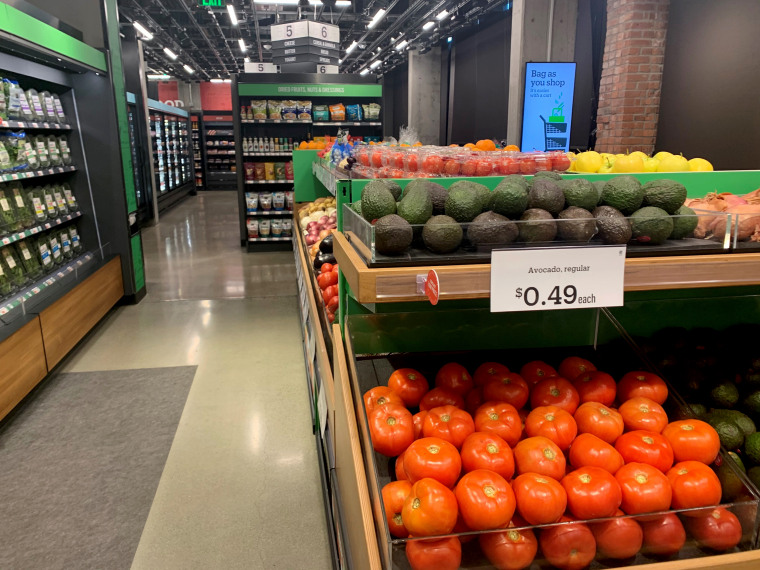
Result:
[{"x": 207, "y": 41}]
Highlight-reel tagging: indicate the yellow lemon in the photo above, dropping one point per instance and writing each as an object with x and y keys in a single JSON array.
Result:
[
  {"x": 640, "y": 154},
  {"x": 673, "y": 163},
  {"x": 589, "y": 161},
  {"x": 662, "y": 154},
  {"x": 700, "y": 165}
]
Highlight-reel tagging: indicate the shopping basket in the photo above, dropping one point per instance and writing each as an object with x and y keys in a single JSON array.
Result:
[{"x": 551, "y": 131}]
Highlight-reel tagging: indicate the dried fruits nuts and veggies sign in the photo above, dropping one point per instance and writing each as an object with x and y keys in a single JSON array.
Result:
[{"x": 310, "y": 89}]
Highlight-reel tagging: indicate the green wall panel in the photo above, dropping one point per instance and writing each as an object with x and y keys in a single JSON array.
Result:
[
  {"x": 310, "y": 90},
  {"x": 137, "y": 261}
]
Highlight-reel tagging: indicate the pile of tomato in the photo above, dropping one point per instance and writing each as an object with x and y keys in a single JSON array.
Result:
[
  {"x": 505, "y": 450},
  {"x": 328, "y": 284}
]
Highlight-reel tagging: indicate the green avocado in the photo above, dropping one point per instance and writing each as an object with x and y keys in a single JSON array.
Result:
[
  {"x": 437, "y": 193},
  {"x": 442, "y": 234},
  {"x": 581, "y": 193},
  {"x": 752, "y": 403},
  {"x": 576, "y": 224},
  {"x": 623, "y": 193},
  {"x": 493, "y": 229},
  {"x": 684, "y": 223},
  {"x": 651, "y": 225},
  {"x": 731, "y": 437},
  {"x": 510, "y": 198},
  {"x": 742, "y": 421},
  {"x": 394, "y": 187},
  {"x": 729, "y": 481},
  {"x": 614, "y": 227},
  {"x": 481, "y": 191},
  {"x": 724, "y": 395},
  {"x": 546, "y": 194},
  {"x": 377, "y": 201},
  {"x": 752, "y": 448},
  {"x": 415, "y": 207},
  {"x": 537, "y": 226},
  {"x": 668, "y": 195},
  {"x": 356, "y": 207},
  {"x": 393, "y": 235},
  {"x": 550, "y": 174},
  {"x": 463, "y": 204}
]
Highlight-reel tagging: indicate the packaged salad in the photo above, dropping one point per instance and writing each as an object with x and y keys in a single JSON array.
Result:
[{"x": 28, "y": 259}]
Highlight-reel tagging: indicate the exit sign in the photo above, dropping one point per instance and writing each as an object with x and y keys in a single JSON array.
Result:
[{"x": 212, "y": 3}]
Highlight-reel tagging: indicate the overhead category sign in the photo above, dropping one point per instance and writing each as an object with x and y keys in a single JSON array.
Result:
[
  {"x": 212, "y": 3},
  {"x": 310, "y": 89},
  {"x": 305, "y": 42},
  {"x": 547, "y": 106}
]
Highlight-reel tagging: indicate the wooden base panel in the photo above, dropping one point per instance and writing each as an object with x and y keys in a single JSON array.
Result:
[{"x": 22, "y": 365}]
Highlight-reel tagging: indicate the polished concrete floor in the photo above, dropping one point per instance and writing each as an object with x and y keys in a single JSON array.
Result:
[{"x": 241, "y": 487}]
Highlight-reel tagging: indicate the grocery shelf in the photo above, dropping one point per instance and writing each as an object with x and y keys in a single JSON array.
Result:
[
  {"x": 269, "y": 213},
  {"x": 18, "y": 236},
  {"x": 277, "y": 121},
  {"x": 9, "y": 177},
  {"x": 348, "y": 124},
  {"x": 394, "y": 284},
  {"x": 261, "y": 239},
  {"x": 11, "y": 124},
  {"x": 269, "y": 182},
  {"x": 284, "y": 153}
]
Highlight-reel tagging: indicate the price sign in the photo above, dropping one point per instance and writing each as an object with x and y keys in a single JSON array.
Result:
[
  {"x": 432, "y": 287},
  {"x": 260, "y": 68},
  {"x": 543, "y": 279}
]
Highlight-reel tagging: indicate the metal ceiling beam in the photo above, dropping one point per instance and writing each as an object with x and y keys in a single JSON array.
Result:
[{"x": 203, "y": 34}]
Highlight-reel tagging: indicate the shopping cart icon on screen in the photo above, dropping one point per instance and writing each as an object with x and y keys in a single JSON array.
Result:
[{"x": 555, "y": 133}]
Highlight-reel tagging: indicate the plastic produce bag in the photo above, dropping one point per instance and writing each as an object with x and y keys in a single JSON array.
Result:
[
  {"x": 59, "y": 109},
  {"x": 42, "y": 250},
  {"x": 53, "y": 151},
  {"x": 3, "y": 99},
  {"x": 6, "y": 283},
  {"x": 76, "y": 243},
  {"x": 8, "y": 218},
  {"x": 63, "y": 145},
  {"x": 43, "y": 154},
  {"x": 48, "y": 107},
  {"x": 24, "y": 211},
  {"x": 274, "y": 110},
  {"x": 36, "y": 104},
  {"x": 65, "y": 240},
  {"x": 60, "y": 200},
  {"x": 18, "y": 104},
  {"x": 51, "y": 206},
  {"x": 29, "y": 260},
  {"x": 71, "y": 200},
  {"x": 337, "y": 112},
  {"x": 13, "y": 266},
  {"x": 354, "y": 113},
  {"x": 36, "y": 198},
  {"x": 55, "y": 248},
  {"x": 304, "y": 110},
  {"x": 15, "y": 146}
]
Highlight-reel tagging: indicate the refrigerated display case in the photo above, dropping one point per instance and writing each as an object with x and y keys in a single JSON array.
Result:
[
  {"x": 172, "y": 153},
  {"x": 196, "y": 125},
  {"x": 218, "y": 147}
]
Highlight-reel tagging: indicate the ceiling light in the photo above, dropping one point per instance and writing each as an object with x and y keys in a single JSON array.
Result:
[
  {"x": 158, "y": 76},
  {"x": 428, "y": 25},
  {"x": 343, "y": 3},
  {"x": 170, "y": 53},
  {"x": 453, "y": 17},
  {"x": 233, "y": 15},
  {"x": 228, "y": 81},
  {"x": 376, "y": 18},
  {"x": 216, "y": 80},
  {"x": 340, "y": 61},
  {"x": 247, "y": 59},
  {"x": 375, "y": 64},
  {"x": 241, "y": 41},
  {"x": 188, "y": 68},
  {"x": 351, "y": 48},
  {"x": 267, "y": 46},
  {"x": 364, "y": 72},
  {"x": 449, "y": 39},
  {"x": 442, "y": 15},
  {"x": 401, "y": 45},
  {"x": 146, "y": 35}
]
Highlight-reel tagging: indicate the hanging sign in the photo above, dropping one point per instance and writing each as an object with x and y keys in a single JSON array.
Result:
[
  {"x": 547, "y": 106},
  {"x": 260, "y": 68},
  {"x": 212, "y": 3},
  {"x": 541, "y": 279}
]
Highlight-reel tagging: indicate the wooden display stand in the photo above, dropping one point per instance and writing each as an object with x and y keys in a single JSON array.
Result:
[{"x": 28, "y": 355}]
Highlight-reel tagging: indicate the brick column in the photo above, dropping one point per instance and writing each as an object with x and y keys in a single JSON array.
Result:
[{"x": 629, "y": 91}]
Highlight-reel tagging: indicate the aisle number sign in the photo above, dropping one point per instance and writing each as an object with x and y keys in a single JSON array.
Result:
[
  {"x": 547, "y": 106},
  {"x": 540, "y": 279},
  {"x": 260, "y": 67},
  {"x": 305, "y": 29}
]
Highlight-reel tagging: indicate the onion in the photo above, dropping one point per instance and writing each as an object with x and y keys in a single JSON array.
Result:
[
  {"x": 323, "y": 220},
  {"x": 311, "y": 239},
  {"x": 324, "y": 233},
  {"x": 733, "y": 200}
]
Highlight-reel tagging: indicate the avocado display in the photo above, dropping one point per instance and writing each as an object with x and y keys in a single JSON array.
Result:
[
  {"x": 730, "y": 483},
  {"x": 442, "y": 234},
  {"x": 752, "y": 448},
  {"x": 651, "y": 225},
  {"x": 729, "y": 433},
  {"x": 724, "y": 395},
  {"x": 599, "y": 187},
  {"x": 684, "y": 223},
  {"x": 394, "y": 187},
  {"x": 356, "y": 207},
  {"x": 517, "y": 179},
  {"x": 539, "y": 225},
  {"x": 623, "y": 193},
  {"x": 546, "y": 194},
  {"x": 481, "y": 191},
  {"x": 668, "y": 195},
  {"x": 377, "y": 201},
  {"x": 742, "y": 421},
  {"x": 415, "y": 207},
  {"x": 510, "y": 197},
  {"x": 462, "y": 203},
  {"x": 581, "y": 193},
  {"x": 576, "y": 224},
  {"x": 614, "y": 228},
  {"x": 393, "y": 235},
  {"x": 492, "y": 228},
  {"x": 550, "y": 174}
]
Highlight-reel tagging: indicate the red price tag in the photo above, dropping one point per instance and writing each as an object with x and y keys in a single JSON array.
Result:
[{"x": 432, "y": 289}]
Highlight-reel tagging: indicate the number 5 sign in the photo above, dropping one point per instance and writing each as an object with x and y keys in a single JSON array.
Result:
[{"x": 260, "y": 68}]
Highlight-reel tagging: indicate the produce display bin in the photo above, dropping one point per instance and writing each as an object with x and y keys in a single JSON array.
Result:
[
  {"x": 378, "y": 344},
  {"x": 362, "y": 236}
]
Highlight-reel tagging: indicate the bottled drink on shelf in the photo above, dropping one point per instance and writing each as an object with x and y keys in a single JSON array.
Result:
[
  {"x": 266, "y": 144},
  {"x": 245, "y": 145},
  {"x": 255, "y": 145}
]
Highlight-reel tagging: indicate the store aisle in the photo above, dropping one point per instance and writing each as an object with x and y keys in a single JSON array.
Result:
[{"x": 241, "y": 487}]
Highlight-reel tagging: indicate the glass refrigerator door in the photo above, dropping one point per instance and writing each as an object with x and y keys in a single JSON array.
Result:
[
  {"x": 159, "y": 152},
  {"x": 136, "y": 162}
]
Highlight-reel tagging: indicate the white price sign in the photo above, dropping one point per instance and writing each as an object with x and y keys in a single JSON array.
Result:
[
  {"x": 260, "y": 68},
  {"x": 282, "y": 32},
  {"x": 328, "y": 69},
  {"x": 541, "y": 279}
]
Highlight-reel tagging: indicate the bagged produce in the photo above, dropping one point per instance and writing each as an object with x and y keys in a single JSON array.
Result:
[
  {"x": 36, "y": 105},
  {"x": 36, "y": 198},
  {"x": 24, "y": 211},
  {"x": 274, "y": 109},
  {"x": 48, "y": 107},
  {"x": 60, "y": 200},
  {"x": 259, "y": 109},
  {"x": 8, "y": 219},
  {"x": 63, "y": 144},
  {"x": 76, "y": 243},
  {"x": 30, "y": 154},
  {"x": 6, "y": 283},
  {"x": 51, "y": 206},
  {"x": 338, "y": 112},
  {"x": 303, "y": 109},
  {"x": 3, "y": 100},
  {"x": 42, "y": 250},
  {"x": 59, "y": 109},
  {"x": 29, "y": 260},
  {"x": 15, "y": 146},
  {"x": 43, "y": 154},
  {"x": 19, "y": 107},
  {"x": 71, "y": 200},
  {"x": 55, "y": 248},
  {"x": 53, "y": 151},
  {"x": 13, "y": 266},
  {"x": 6, "y": 164},
  {"x": 65, "y": 239}
]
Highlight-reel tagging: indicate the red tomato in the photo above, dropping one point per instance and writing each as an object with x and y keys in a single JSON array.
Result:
[
  {"x": 693, "y": 440},
  {"x": 392, "y": 429},
  {"x": 451, "y": 167},
  {"x": 645, "y": 489},
  {"x": 560, "y": 162},
  {"x": 553, "y": 423},
  {"x": 489, "y": 371},
  {"x": 473, "y": 400},
  {"x": 440, "y": 397},
  {"x": 588, "y": 450},
  {"x": 331, "y": 277},
  {"x": 450, "y": 423},
  {"x": 409, "y": 384},
  {"x": 592, "y": 493},
  {"x": 432, "y": 164},
  {"x": 555, "y": 392},
  {"x": 470, "y": 167},
  {"x": 335, "y": 268},
  {"x": 432, "y": 457},
  {"x": 507, "y": 165},
  {"x": 326, "y": 268},
  {"x": 569, "y": 547},
  {"x": 509, "y": 550},
  {"x": 485, "y": 500},
  {"x": 646, "y": 447},
  {"x": 596, "y": 386},
  {"x": 694, "y": 484},
  {"x": 332, "y": 304},
  {"x": 454, "y": 377},
  {"x": 397, "y": 173},
  {"x": 539, "y": 455},
  {"x": 642, "y": 384},
  {"x": 430, "y": 509},
  {"x": 528, "y": 165},
  {"x": 419, "y": 420},
  {"x": 379, "y": 396},
  {"x": 618, "y": 538},
  {"x": 400, "y": 473},
  {"x": 535, "y": 371},
  {"x": 442, "y": 554},
  {"x": 644, "y": 414},
  {"x": 322, "y": 281},
  {"x": 540, "y": 499},
  {"x": 720, "y": 530},
  {"x": 573, "y": 366},
  {"x": 461, "y": 527},
  {"x": 599, "y": 420},
  {"x": 663, "y": 536},
  {"x": 394, "y": 495},
  {"x": 329, "y": 293},
  {"x": 499, "y": 418},
  {"x": 509, "y": 388},
  {"x": 543, "y": 162},
  {"x": 488, "y": 451},
  {"x": 377, "y": 159},
  {"x": 483, "y": 167},
  {"x": 411, "y": 163},
  {"x": 397, "y": 160}
]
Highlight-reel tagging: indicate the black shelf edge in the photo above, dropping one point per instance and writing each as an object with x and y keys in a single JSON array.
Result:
[
  {"x": 13, "y": 124},
  {"x": 11, "y": 176},
  {"x": 39, "y": 228}
]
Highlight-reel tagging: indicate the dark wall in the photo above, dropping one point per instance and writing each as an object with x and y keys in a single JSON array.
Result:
[
  {"x": 479, "y": 95},
  {"x": 395, "y": 100},
  {"x": 84, "y": 15},
  {"x": 711, "y": 82}
]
